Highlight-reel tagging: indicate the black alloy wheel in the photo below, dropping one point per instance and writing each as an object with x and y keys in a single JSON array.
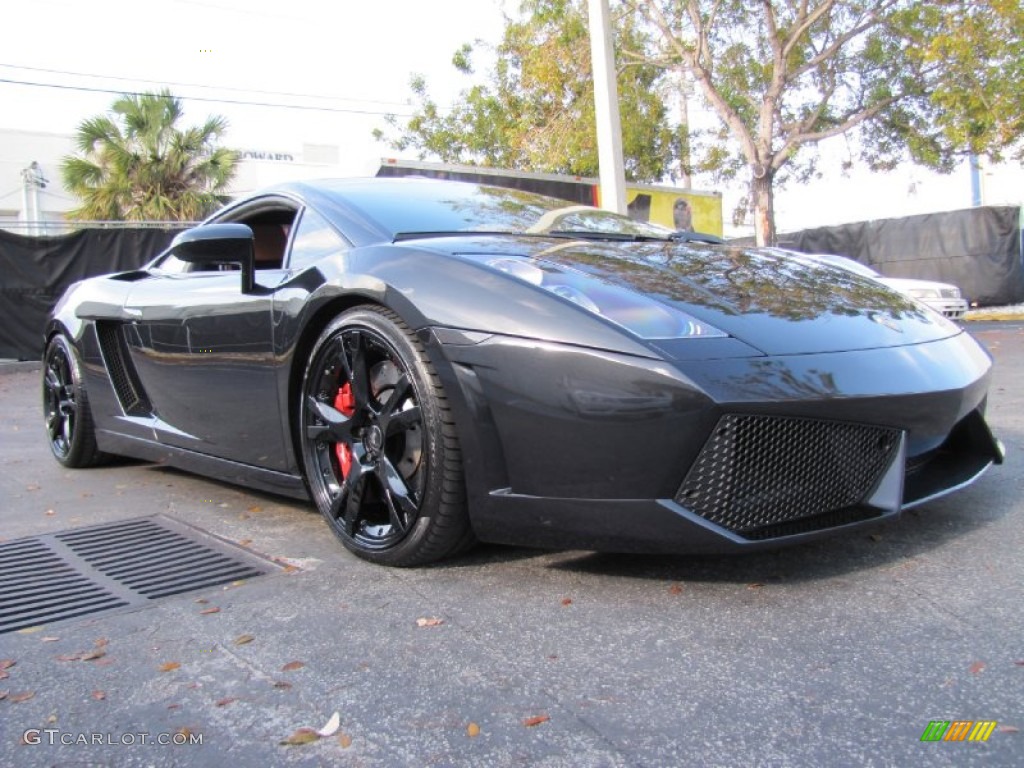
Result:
[
  {"x": 378, "y": 443},
  {"x": 68, "y": 419}
]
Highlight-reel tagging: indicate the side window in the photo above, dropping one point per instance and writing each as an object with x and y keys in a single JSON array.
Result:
[{"x": 313, "y": 239}]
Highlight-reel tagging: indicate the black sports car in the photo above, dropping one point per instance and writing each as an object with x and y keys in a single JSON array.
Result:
[{"x": 440, "y": 362}]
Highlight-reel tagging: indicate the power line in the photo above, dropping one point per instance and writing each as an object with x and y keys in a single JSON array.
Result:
[
  {"x": 304, "y": 107},
  {"x": 200, "y": 85}
]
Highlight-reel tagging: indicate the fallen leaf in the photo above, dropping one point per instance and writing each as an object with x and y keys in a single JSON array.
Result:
[
  {"x": 225, "y": 702},
  {"x": 243, "y": 639},
  {"x": 976, "y": 667},
  {"x": 345, "y": 741},
  {"x": 301, "y": 736},
  {"x": 208, "y": 611},
  {"x": 290, "y": 568},
  {"x": 32, "y": 487},
  {"x": 31, "y": 630},
  {"x": 530, "y": 722},
  {"x": 472, "y": 730},
  {"x": 70, "y": 657},
  {"x": 331, "y": 726},
  {"x": 51, "y": 719},
  {"x": 3, "y": 674},
  {"x": 99, "y": 653},
  {"x": 99, "y": 695},
  {"x": 7, "y": 663},
  {"x": 201, "y": 600},
  {"x": 1008, "y": 729},
  {"x": 255, "y": 509},
  {"x": 174, "y": 706},
  {"x": 291, "y": 666},
  {"x": 101, "y": 642},
  {"x": 170, "y": 666},
  {"x": 282, "y": 684},
  {"x": 675, "y": 589},
  {"x": 424, "y": 622},
  {"x": 3, "y": 695},
  {"x": 566, "y": 601},
  {"x": 50, "y": 513},
  {"x": 48, "y": 639},
  {"x": 17, "y": 698},
  {"x": 245, "y": 542},
  {"x": 755, "y": 585},
  {"x": 184, "y": 731},
  {"x": 1019, "y": 662}
]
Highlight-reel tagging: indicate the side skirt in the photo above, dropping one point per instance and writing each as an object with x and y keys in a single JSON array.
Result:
[{"x": 245, "y": 475}]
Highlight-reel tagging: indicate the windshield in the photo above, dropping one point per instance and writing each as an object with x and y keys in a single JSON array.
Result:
[{"x": 423, "y": 207}]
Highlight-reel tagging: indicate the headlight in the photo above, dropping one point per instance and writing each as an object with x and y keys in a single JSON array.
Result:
[
  {"x": 642, "y": 315},
  {"x": 923, "y": 293}
]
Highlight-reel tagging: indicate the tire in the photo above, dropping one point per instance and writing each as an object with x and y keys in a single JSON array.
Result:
[
  {"x": 66, "y": 413},
  {"x": 378, "y": 441}
]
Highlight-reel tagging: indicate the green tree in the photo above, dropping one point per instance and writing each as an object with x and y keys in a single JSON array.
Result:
[
  {"x": 980, "y": 46},
  {"x": 919, "y": 80},
  {"x": 136, "y": 164},
  {"x": 535, "y": 110}
]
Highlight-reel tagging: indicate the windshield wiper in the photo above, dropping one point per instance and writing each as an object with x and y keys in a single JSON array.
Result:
[
  {"x": 618, "y": 237},
  {"x": 400, "y": 236},
  {"x": 682, "y": 236}
]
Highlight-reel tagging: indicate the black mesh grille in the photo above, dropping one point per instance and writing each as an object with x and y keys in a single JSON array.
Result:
[
  {"x": 758, "y": 475},
  {"x": 122, "y": 375}
]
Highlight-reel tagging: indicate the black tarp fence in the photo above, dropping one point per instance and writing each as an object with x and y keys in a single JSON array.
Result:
[
  {"x": 978, "y": 249},
  {"x": 34, "y": 271}
]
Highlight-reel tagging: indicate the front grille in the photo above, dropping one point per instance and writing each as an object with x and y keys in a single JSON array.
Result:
[{"x": 759, "y": 476}]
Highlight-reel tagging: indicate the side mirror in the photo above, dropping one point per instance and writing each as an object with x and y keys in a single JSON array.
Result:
[{"x": 219, "y": 244}]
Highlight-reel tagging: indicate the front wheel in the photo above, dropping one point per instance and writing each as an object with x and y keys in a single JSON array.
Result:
[{"x": 378, "y": 443}]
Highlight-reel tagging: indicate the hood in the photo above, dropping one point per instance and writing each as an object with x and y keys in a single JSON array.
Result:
[{"x": 778, "y": 305}]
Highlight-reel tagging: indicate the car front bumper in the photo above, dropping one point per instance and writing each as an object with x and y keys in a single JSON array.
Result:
[{"x": 573, "y": 447}]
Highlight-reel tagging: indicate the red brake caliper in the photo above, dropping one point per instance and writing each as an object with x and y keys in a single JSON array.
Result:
[{"x": 345, "y": 402}]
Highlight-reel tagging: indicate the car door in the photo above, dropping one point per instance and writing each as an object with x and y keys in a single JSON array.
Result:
[{"x": 203, "y": 351}]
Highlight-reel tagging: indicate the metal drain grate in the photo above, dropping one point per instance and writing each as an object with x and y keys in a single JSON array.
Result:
[{"x": 60, "y": 576}]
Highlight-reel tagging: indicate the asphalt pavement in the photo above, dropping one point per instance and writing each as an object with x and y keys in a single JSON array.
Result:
[{"x": 838, "y": 653}]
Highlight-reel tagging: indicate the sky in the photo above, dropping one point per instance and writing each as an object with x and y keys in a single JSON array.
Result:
[{"x": 342, "y": 66}]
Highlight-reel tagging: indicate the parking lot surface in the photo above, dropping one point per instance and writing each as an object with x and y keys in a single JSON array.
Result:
[{"x": 837, "y": 653}]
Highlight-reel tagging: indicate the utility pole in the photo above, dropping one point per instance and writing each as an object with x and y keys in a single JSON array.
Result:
[
  {"x": 606, "y": 104},
  {"x": 977, "y": 186},
  {"x": 32, "y": 181}
]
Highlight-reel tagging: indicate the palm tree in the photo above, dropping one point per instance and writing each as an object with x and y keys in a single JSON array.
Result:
[{"x": 136, "y": 164}]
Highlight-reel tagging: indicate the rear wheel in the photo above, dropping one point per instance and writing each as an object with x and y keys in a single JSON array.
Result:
[
  {"x": 66, "y": 411},
  {"x": 378, "y": 443}
]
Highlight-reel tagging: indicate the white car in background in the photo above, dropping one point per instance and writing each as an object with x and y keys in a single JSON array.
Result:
[{"x": 942, "y": 297}]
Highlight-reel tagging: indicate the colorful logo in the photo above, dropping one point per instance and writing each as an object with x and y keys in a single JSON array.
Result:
[{"x": 959, "y": 730}]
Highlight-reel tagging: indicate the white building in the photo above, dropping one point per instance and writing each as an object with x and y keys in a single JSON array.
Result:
[{"x": 34, "y": 201}]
